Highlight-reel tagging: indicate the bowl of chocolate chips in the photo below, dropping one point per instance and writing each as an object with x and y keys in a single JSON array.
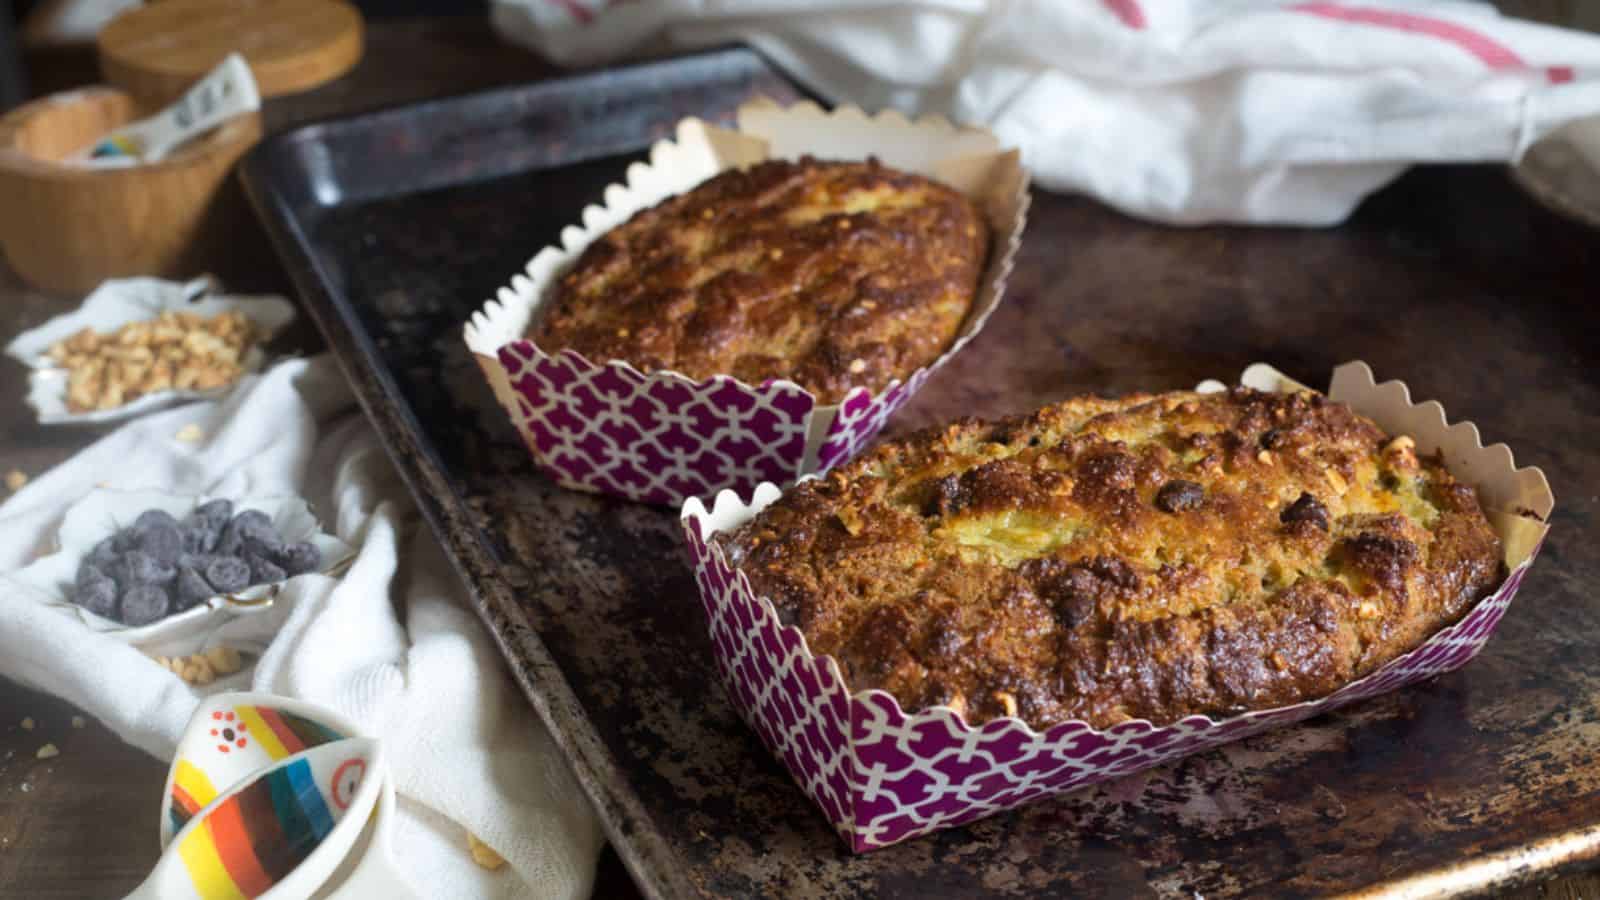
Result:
[{"x": 151, "y": 567}]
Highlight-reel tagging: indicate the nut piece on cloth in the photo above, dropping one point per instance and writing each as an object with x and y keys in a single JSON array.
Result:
[{"x": 483, "y": 854}]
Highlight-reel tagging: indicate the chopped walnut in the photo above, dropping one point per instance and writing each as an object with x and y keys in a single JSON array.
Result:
[
  {"x": 223, "y": 660},
  {"x": 1340, "y": 486},
  {"x": 1007, "y": 702},
  {"x": 203, "y": 668},
  {"x": 958, "y": 705},
  {"x": 174, "y": 351},
  {"x": 1401, "y": 453},
  {"x": 483, "y": 854}
]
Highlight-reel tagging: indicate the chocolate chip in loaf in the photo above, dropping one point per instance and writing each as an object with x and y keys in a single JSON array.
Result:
[
  {"x": 1383, "y": 558},
  {"x": 1305, "y": 509},
  {"x": 1178, "y": 495},
  {"x": 945, "y": 498}
]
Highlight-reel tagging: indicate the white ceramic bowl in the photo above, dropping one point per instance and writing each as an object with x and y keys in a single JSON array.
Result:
[
  {"x": 117, "y": 303},
  {"x": 102, "y": 512}
]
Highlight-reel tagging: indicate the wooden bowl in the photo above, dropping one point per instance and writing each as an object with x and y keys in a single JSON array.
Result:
[{"x": 67, "y": 227}]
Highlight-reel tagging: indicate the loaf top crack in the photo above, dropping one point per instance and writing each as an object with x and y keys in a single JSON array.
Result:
[
  {"x": 1149, "y": 557},
  {"x": 832, "y": 275}
]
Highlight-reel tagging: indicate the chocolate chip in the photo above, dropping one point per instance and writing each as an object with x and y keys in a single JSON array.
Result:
[
  {"x": 214, "y": 514},
  {"x": 1305, "y": 509},
  {"x": 263, "y": 570},
  {"x": 1271, "y": 439},
  {"x": 197, "y": 538},
  {"x": 142, "y": 568},
  {"x": 298, "y": 558},
  {"x": 1385, "y": 559},
  {"x": 154, "y": 517},
  {"x": 161, "y": 541},
  {"x": 104, "y": 553},
  {"x": 227, "y": 574},
  {"x": 1178, "y": 495},
  {"x": 97, "y": 594},
  {"x": 946, "y": 497},
  {"x": 191, "y": 590},
  {"x": 143, "y": 604},
  {"x": 256, "y": 533}
]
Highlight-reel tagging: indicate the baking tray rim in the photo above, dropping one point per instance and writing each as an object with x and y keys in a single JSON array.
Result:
[{"x": 628, "y": 826}]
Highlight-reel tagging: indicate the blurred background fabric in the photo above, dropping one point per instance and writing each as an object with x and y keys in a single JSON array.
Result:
[{"x": 1181, "y": 111}]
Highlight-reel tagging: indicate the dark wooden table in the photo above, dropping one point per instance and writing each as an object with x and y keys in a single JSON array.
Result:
[{"x": 82, "y": 824}]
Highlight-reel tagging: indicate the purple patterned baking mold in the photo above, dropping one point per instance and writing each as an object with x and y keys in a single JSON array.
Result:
[
  {"x": 653, "y": 439},
  {"x": 881, "y": 775},
  {"x": 663, "y": 437}
]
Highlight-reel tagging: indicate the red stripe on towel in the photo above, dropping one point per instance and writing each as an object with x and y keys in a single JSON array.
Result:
[
  {"x": 1493, "y": 53},
  {"x": 1128, "y": 11},
  {"x": 576, "y": 10}
]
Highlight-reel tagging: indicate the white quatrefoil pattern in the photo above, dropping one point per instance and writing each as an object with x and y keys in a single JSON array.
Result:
[
  {"x": 882, "y": 776},
  {"x": 654, "y": 439},
  {"x": 662, "y": 438}
]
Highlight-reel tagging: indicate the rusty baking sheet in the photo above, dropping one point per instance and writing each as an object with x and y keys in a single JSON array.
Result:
[{"x": 394, "y": 226}]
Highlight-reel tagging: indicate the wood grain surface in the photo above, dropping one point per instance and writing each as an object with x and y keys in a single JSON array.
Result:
[
  {"x": 82, "y": 824},
  {"x": 156, "y": 51},
  {"x": 67, "y": 227}
]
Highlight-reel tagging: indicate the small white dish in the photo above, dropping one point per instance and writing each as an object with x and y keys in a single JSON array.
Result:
[
  {"x": 325, "y": 832},
  {"x": 234, "y": 737},
  {"x": 279, "y": 835},
  {"x": 117, "y": 303},
  {"x": 101, "y": 512}
]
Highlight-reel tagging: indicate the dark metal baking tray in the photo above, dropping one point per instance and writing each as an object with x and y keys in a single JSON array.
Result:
[{"x": 396, "y": 225}]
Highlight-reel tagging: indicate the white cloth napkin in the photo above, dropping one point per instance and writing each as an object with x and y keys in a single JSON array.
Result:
[
  {"x": 391, "y": 644},
  {"x": 1184, "y": 111}
]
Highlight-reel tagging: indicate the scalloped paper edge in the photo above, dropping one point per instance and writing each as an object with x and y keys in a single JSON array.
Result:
[
  {"x": 969, "y": 159},
  {"x": 1519, "y": 503}
]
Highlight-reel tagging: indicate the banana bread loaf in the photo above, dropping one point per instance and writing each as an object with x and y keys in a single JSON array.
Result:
[
  {"x": 1148, "y": 557},
  {"x": 833, "y": 275}
]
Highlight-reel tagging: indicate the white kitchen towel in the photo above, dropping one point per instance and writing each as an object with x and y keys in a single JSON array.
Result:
[
  {"x": 1183, "y": 111},
  {"x": 391, "y": 644}
]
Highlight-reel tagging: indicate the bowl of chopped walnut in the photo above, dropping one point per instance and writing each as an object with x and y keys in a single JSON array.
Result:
[{"x": 137, "y": 344}]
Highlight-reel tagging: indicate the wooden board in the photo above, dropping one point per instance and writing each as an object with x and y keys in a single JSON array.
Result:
[{"x": 157, "y": 51}]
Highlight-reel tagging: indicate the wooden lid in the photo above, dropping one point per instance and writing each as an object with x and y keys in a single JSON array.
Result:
[{"x": 157, "y": 51}]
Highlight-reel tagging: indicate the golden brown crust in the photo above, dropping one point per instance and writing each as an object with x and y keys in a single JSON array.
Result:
[
  {"x": 833, "y": 275},
  {"x": 1151, "y": 557}
]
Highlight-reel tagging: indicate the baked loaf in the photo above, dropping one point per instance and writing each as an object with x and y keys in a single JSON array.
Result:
[
  {"x": 833, "y": 275},
  {"x": 1151, "y": 557}
]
